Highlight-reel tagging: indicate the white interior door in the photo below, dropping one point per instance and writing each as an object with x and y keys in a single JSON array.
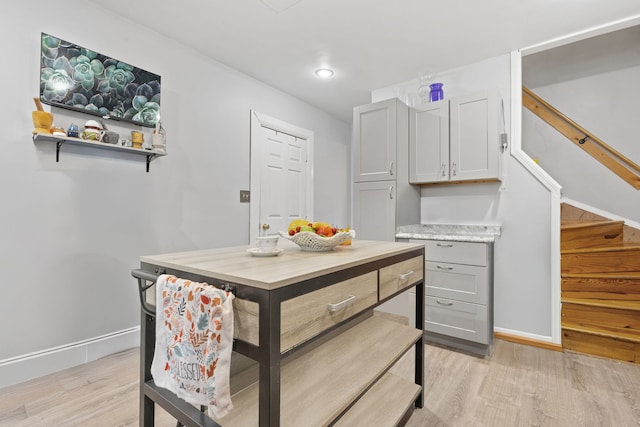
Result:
[{"x": 281, "y": 175}]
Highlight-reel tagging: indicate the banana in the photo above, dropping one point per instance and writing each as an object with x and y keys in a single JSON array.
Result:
[{"x": 297, "y": 223}]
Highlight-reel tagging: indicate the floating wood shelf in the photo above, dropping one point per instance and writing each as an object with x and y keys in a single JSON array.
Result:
[{"x": 60, "y": 140}]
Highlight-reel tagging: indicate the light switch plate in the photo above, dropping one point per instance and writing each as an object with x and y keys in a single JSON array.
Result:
[{"x": 245, "y": 196}]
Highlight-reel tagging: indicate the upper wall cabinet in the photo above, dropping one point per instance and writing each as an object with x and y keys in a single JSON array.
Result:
[
  {"x": 375, "y": 139},
  {"x": 455, "y": 140}
]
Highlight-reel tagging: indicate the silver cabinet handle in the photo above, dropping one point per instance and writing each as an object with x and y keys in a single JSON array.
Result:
[
  {"x": 391, "y": 192},
  {"x": 453, "y": 168},
  {"x": 391, "y": 168},
  {"x": 447, "y": 303},
  {"x": 444, "y": 245},
  {"x": 444, "y": 268},
  {"x": 406, "y": 275},
  {"x": 444, "y": 168},
  {"x": 342, "y": 304}
]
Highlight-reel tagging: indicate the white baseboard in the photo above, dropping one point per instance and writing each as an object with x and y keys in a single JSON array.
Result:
[
  {"x": 526, "y": 335},
  {"x": 33, "y": 365}
]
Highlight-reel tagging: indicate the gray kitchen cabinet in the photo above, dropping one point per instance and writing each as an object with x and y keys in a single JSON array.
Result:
[
  {"x": 383, "y": 199},
  {"x": 382, "y": 196},
  {"x": 459, "y": 294},
  {"x": 377, "y": 129},
  {"x": 455, "y": 140},
  {"x": 374, "y": 209},
  {"x": 429, "y": 143}
]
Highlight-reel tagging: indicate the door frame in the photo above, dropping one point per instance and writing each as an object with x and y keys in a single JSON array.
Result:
[{"x": 259, "y": 120}]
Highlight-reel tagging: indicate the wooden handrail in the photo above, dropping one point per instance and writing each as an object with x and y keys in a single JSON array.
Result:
[{"x": 615, "y": 161}]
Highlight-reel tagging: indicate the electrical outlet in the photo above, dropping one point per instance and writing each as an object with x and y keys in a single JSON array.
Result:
[{"x": 244, "y": 196}]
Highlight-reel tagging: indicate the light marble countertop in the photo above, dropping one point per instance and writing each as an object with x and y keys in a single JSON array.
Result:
[{"x": 450, "y": 232}]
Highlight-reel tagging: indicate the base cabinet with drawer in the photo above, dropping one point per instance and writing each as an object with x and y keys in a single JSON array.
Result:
[{"x": 459, "y": 294}]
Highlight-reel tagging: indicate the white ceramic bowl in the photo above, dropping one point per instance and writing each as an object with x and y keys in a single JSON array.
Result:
[{"x": 309, "y": 241}]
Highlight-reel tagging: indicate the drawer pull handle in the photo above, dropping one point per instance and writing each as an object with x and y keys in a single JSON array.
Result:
[
  {"x": 406, "y": 275},
  {"x": 444, "y": 268},
  {"x": 342, "y": 304},
  {"x": 447, "y": 303},
  {"x": 444, "y": 245}
]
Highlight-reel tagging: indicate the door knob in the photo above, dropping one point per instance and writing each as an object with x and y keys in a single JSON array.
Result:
[{"x": 265, "y": 226}]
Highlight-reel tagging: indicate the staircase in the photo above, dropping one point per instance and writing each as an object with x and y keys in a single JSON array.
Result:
[{"x": 600, "y": 265}]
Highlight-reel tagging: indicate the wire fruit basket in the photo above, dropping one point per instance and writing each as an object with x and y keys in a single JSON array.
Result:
[{"x": 310, "y": 241}]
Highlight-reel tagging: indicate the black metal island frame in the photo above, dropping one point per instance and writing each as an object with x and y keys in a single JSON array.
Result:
[{"x": 305, "y": 320}]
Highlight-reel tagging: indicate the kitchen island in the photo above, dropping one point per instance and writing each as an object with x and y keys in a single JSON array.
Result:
[{"x": 304, "y": 319}]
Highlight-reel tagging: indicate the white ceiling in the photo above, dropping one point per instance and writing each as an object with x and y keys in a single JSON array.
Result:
[{"x": 369, "y": 43}]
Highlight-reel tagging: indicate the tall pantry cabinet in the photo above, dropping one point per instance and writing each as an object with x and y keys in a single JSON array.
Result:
[{"x": 382, "y": 196}]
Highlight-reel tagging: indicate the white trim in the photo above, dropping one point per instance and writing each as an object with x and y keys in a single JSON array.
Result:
[
  {"x": 536, "y": 337},
  {"x": 600, "y": 212},
  {"x": 262, "y": 120},
  {"x": 32, "y": 365},
  {"x": 554, "y": 193},
  {"x": 516, "y": 128},
  {"x": 554, "y": 263},
  {"x": 620, "y": 24}
]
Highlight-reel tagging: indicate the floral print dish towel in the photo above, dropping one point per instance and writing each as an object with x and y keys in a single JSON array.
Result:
[{"x": 194, "y": 339}]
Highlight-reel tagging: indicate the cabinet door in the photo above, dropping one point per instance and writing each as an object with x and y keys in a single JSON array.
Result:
[
  {"x": 474, "y": 136},
  {"x": 374, "y": 140},
  {"x": 468, "y": 283},
  {"x": 374, "y": 210},
  {"x": 429, "y": 143},
  {"x": 457, "y": 319},
  {"x": 470, "y": 253}
]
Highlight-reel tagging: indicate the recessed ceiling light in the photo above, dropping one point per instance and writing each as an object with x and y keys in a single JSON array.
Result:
[{"x": 324, "y": 72}]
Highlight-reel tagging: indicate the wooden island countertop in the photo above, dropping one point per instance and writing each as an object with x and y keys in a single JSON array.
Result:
[{"x": 293, "y": 265}]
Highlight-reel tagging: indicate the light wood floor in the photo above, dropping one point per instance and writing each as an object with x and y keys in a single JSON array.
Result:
[{"x": 518, "y": 386}]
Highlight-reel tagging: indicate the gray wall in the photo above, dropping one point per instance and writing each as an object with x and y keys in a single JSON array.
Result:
[
  {"x": 72, "y": 231},
  {"x": 595, "y": 83}
]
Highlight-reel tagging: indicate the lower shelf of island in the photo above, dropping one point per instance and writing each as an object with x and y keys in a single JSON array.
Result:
[{"x": 347, "y": 373}]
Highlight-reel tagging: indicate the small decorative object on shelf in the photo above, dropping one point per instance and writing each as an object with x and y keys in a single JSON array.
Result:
[
  {"x": 92, "y": 130},
  {"x": 159, "y": 138},
  {"x": 110, "y": 137},
  {"x": 42, "y": 120},
  {"x": 73, "y": 130},
  {"x": 137, "y": 138},
  {"x": 56, "y": 131},
  {"x": 436, "y": 93},
  {"x": 423, "y": 88}
]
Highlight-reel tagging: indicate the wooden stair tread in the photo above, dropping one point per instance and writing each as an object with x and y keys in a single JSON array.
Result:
[
  {"x": 602, "y": 332},
  {"x": 628, "y": 275},
  {"x": 622, "y": 247},
  {"x": 620, "y": 304},
  {"x": 574, "y": 224},
  {"x": 322, "y": 383}
]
